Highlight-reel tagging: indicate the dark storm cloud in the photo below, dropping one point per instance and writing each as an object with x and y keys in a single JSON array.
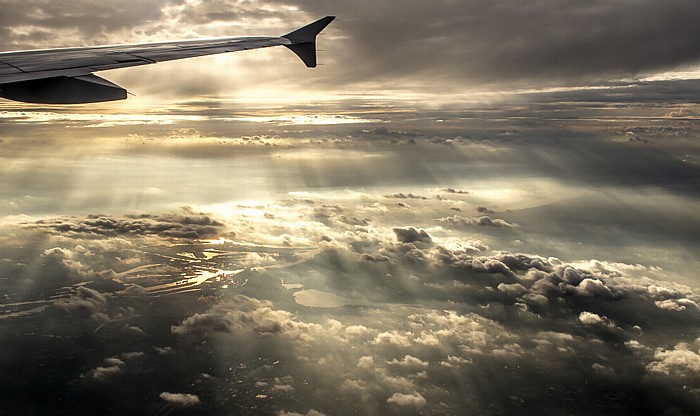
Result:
[
  {"x": 545, "y": 42},
  {"x": 500, "y": 40},
  {"x": 540, "y": 283},
  {"x": 188, "y": 225},
  {"x": 36, "y": 21},
  {"x": 412, "y": 235}
]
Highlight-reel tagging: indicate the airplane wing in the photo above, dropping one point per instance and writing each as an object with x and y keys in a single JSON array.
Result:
[{"x": 65, "y": 76}]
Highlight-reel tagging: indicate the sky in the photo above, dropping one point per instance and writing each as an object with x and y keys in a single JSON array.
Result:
[{"x": 482, "y": 207}]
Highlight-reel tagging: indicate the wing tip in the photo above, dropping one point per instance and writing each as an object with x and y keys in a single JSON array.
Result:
[
  {"x": 309, "y": 32},
  {"x": 304, "y": 40}
]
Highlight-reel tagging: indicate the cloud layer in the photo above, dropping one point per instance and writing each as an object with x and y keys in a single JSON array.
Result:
[{"x": 432, "y": 318}]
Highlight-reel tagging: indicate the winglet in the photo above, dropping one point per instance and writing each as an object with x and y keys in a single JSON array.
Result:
[{"x": 304, "y": 40}]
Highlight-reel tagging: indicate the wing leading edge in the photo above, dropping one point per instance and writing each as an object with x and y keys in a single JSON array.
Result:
[{"x": 65, "y": 76}]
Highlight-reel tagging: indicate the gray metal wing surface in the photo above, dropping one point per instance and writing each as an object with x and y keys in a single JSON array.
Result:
[{"x": 65, "y": 76}]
